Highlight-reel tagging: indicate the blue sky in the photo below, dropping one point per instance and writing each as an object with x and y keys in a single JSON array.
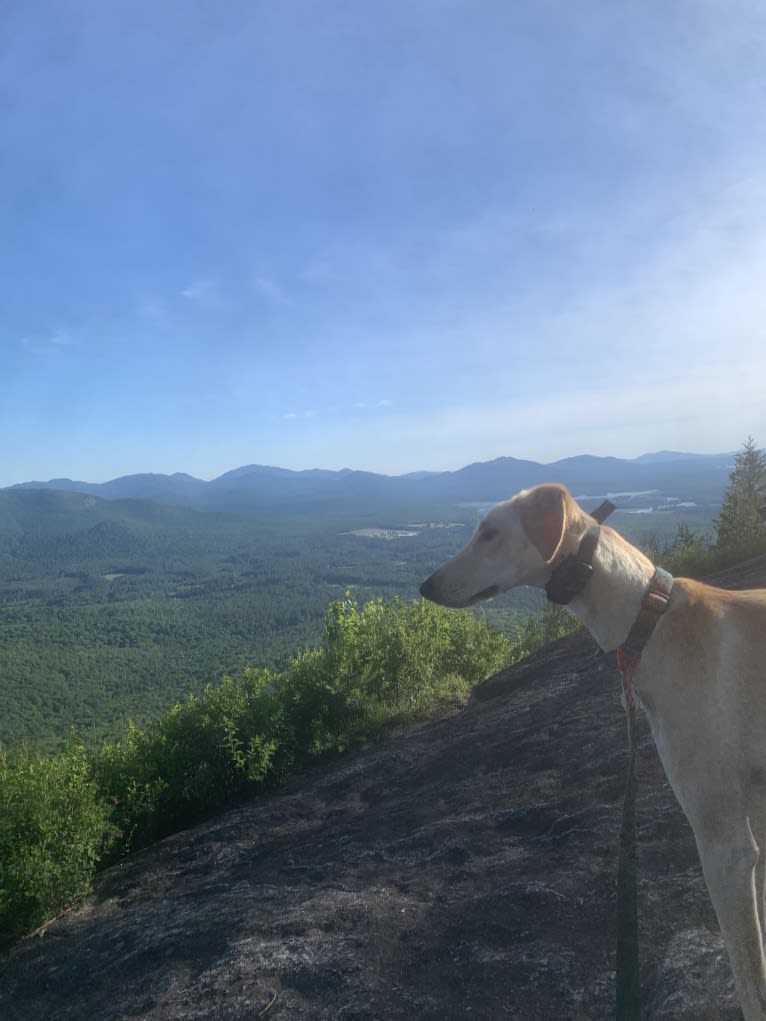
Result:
[{"x": 384, "y": 236}]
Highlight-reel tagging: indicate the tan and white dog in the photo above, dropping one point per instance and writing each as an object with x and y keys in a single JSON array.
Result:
[{"x": 701, "y": 679}]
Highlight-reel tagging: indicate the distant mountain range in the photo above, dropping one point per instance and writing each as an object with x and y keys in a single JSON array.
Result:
[{"x": 652, "y": 480}]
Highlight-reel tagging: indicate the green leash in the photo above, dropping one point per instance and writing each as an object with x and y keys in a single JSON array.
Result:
[
  {"x": 628, "y": 1004},
  {"x": 627, "y": 657}
]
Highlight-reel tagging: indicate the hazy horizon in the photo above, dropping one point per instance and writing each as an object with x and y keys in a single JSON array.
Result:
[{"x": 361, "y": 468}]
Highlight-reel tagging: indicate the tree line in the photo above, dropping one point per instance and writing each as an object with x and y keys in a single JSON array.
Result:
[{"x": 740, "y": 527}]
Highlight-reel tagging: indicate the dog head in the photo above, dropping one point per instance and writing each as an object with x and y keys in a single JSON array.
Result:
[{"x": 515, "y": 544}]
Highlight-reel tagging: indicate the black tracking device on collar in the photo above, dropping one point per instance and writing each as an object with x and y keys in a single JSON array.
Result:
[{"x": 572, "y": 574}]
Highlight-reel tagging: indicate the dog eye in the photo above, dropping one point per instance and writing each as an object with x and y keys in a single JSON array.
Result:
[{"x": 487, "y": 534}]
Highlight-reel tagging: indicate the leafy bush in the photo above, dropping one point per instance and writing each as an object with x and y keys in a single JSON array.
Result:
[
  {"x": 693, "y": 554},
  {"x": 740, "y": 527},
  {"x": 383, "y": 662},
  {"x": 554, "y": 622},
  {"x": 377, "y": 664},
  {"x": 53, "y": 829},
  {"x": 699, "y": 562},
  {"x": 197, "y": 758}
]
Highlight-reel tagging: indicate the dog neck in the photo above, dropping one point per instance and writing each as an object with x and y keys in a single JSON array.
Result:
[{"x": 609, "y": 603}]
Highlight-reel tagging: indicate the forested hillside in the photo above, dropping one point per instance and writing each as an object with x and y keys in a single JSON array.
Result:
[{"x": 114, "y": 609}]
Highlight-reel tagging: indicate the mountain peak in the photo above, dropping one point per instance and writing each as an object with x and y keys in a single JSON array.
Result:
[{"x": 696, "y": 477}]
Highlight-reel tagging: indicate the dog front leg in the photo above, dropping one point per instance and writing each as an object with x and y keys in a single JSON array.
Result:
[{"x": 729, "y": 866}]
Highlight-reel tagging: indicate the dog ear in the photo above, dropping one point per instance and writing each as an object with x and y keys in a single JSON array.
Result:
[{"x": 543, "y": 512}]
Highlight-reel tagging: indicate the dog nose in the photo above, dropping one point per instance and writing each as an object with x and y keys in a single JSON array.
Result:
[{"x": 427, "y": 588}]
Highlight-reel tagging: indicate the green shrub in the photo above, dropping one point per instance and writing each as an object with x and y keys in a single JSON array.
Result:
[
  {"x": 693, "y": 555},
  {"x": 383, "y": 662},
  {"x": 377, "y": 664},
  {"x": 554, "y": 622},
  {"x": 53, "y": 830},
  {"x": 197, "y": 758},
  {"x": 697, "y": 563}
]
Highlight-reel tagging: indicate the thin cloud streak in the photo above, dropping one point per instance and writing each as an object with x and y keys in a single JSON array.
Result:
[{"x": 270, "y": 290}]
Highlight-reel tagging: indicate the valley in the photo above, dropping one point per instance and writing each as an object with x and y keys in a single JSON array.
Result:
[{"x": 114, "y": 609}]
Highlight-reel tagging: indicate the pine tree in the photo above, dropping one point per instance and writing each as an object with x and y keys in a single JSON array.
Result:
[{"x": 744, "y": 501}]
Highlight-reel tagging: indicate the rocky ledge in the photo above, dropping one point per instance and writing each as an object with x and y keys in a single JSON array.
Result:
[{"x": 460, "y": 868}]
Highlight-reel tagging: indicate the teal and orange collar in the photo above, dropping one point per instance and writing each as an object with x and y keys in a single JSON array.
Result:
[{"x": 653, "y": 605}]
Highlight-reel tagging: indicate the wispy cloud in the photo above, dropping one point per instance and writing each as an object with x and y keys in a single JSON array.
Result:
[
  {"x": 372, "y": 405},
  {"x": 268, "y": 288},
  {"x": 318, "y": 272},
  {"x": 56, "y": 341},
  {"x": 153, "y": 310},
  {"x": 203, "y": 290}
]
